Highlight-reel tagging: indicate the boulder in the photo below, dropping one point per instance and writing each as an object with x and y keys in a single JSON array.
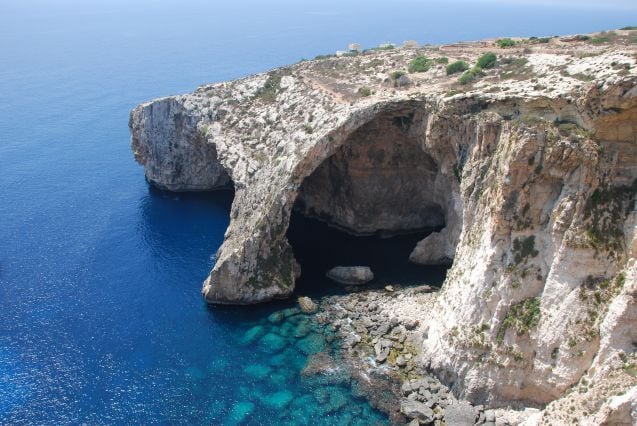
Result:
[
  {"x": 410, "y": 323},
  {"x": 489, "y": 416},
  {"x": 417, "y": 410},
  {"x": 406, "y": 388},
  {"x": 460, "y": 414},
  {"x": 422, "y": 289},
  {"x": 350, "y": 275},
  {"x": 436, "y": 249},
  {"x": 307, "y": 305}
]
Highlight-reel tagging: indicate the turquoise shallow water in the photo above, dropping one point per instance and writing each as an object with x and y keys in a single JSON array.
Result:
[{"x": 101, "y": 320}]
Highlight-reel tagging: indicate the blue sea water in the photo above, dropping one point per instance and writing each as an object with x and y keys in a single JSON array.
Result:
[{"x": 101, "y": 320}]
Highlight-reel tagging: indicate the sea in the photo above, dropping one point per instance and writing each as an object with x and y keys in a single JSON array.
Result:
[{"x": 101, "y": 317}]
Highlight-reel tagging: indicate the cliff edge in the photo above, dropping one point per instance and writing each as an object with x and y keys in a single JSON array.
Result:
[{"x": 527, "y": 164}]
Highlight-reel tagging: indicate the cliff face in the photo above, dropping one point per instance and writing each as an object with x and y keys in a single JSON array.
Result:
[{"x": 529, "y": 171}]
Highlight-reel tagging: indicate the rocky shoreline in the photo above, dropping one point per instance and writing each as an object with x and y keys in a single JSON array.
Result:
[
  {"x": 380, "y": 335},
  {"x": 528, "y": 168}
]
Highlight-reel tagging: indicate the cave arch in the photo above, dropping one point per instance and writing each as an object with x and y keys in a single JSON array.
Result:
[{"x": 380, "y": 180}]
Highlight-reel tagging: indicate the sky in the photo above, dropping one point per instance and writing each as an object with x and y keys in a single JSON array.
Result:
[{"x": 595, "y": 4}]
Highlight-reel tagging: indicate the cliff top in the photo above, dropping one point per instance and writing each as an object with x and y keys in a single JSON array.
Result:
[{"x": 525, "y": 67}]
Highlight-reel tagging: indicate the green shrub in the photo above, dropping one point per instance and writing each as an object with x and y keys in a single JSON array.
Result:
[
  {"x": 629, "y": 28},
  {"x": 270, "y": 89},
  {"x": 522, "y": 316},
  {"x": 505, "y": 42},
  {"x": 364, "y": 91},
  {"x": 580, "y": 37},
  {"x": 487, "y": 60},
  {"x": 397, "y": 74},
  {"x": 399, "y": 79},
  {"x": 515, "y": 68},
  {"x": 456, "y": 67},
  {"x": 420, "y": 64},
  {"x": 442, "y": 60},
  {"x": 470, "y": 75},
  {"x": 604, "y": 37},
  {"x": 524, "y": 248},
  {"x": 540, "y": 39}
]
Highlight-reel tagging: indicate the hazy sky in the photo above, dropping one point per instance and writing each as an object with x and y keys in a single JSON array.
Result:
[{"x": 597, "y": 4}]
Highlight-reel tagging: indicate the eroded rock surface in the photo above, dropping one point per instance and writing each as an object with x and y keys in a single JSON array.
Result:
[
  {"x": 350, "y": 275},
  {"x": 529, "y": 173}
]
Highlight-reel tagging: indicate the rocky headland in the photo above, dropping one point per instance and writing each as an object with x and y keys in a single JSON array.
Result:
[{"x": 522, "y": 153}]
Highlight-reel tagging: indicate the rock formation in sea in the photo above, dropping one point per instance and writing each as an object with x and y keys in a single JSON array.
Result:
[{"x": 527, "y": 166}]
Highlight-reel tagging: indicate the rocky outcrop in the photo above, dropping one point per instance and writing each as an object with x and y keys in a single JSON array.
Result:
[
  {"x": 175, "y": 154},
  {"x": 307, "y": 305},
  {"x": 528, "y": 174},
  {"x": 350, "y": 275}
]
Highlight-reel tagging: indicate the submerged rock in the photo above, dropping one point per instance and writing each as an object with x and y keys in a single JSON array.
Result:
[
  {"x": 258, "y": 371},
  {"x": 279, "y": 316},
  {"x": 278, "y": 400},
  {"x": 273, "y": 343},
  {"x": 302, "y": 329},
  {"x": 331, "y": 398},
  {"x": 252, "y": 335},
  {"x": 350, "y": 275},
  {"x": 240, "y": 412},
  {"x": 312, "y": 344}
]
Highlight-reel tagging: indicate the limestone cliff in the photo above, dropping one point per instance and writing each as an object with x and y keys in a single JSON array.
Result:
[{"x": 529, "y": 171}]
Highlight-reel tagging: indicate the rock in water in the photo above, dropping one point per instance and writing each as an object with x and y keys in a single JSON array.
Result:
[
  {"x": 350, "y": 275},
  {"x": 311, "y": 344},
  {"x": 278, "y": 400},
  {"x": 307, "y": 305},
  {"x": 252, "y": 335},
  {"x": 319, "y": 363},
  {"x": 272, "y": 342},
  {"x": 257, "y": 371}
]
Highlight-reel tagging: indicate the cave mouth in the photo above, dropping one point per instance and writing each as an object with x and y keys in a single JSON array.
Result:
[
  {"x": 369, "y": 203},
  {"x": 318, "y": 247}
]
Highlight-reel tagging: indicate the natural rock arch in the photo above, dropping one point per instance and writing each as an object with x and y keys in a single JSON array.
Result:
[
  {"x": 380, "y": 180},
  {"x": 523, "y": 166}
]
